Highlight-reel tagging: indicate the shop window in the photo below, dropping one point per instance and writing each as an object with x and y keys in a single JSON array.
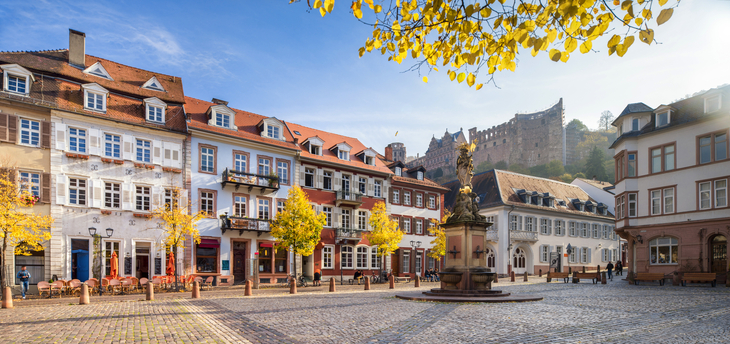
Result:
[{"x": 663, "y": 250}]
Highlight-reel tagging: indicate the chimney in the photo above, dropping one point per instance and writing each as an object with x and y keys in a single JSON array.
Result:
[
  {"x": 77, "y": 48},
  {"x": 389, "y": 153},
  {"x": 219, "y": 101}
]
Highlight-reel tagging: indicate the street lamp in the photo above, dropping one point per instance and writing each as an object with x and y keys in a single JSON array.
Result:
[
  {"x": 414, "y": 245},
  {"x": 92, "y": 232}
]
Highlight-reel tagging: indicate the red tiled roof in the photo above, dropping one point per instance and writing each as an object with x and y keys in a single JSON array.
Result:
[
  {"x": 597, "y": 183},
  {"x": 127, "y": 80},
  {"x": 425, "y": 182},
  {"x": 246, "y": 122},
  {"x": 331, "y": 139}
]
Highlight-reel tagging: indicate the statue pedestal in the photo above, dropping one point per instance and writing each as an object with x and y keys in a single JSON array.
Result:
[{"x": 465, "y": 246}]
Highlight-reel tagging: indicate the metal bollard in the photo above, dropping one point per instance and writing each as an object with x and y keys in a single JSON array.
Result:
[
  {"x": 512, "y": 276},
  {"x": 367, "y": 283},
  {"x": 418, "y": 282},
  {"x": 525, "y": 279},
  {"x": 603, "y": 277},
  {"x": 248, "y": 291},
  {"x": 332, "y": 284},
  {"x": 150, "y": 291},
  {"x": 540, "y": 273},
  {"x": 196, "y": 290}
]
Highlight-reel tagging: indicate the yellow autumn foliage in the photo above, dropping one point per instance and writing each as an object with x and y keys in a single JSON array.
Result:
[
  {"x": 439, "y": 241},
  {"x": 297, "y": 228},
  {"x": 384, "y": 232}
]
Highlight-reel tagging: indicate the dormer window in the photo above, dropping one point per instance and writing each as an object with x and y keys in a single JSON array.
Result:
[
  {"x": 316, "y": 150},
  {"x": 272, "y": 128},
  {"x": 272, "y": 131},
  {"x": 369, "y": 160},
  {"x": 419, "y": 175},
  {"x": 343, "y": 155},
  {"x": 398, "y": 171},
  {"x": 16, "y": 79},
  {"x": 221, "y": 115},
  {"x": 155, "y": 110},
  {"x": 222, "y": 120},
  {"x": 713, "y": 103},
  {"x": 95, "y": 97},
  {"x": 153, "y": 84},
  {"x": 342, "y": 150},
  {"x": 662, "y": 118},
  {"x": 98, "y": 70},
  {"x": 528, "y": 199}
]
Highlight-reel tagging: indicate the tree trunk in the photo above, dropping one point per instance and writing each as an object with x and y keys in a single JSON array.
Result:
[
  {"x": 3, "y": 270},
  {"x": 295, "y": 267},
  {"x": 174, "y": 250}
]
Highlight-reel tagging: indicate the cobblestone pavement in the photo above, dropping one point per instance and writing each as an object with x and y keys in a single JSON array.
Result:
[{"x": 573, "y": 313}]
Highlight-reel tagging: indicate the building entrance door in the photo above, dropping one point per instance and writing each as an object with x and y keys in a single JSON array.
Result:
[
  {"x": 518, "y": 261},
  {"x": 718, "y": 251},
  {"x": 239, "y": 261}
]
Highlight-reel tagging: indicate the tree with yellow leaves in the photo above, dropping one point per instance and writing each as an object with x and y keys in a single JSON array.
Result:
[
  {"x": 439, "y": 241},
  {"x": 20, "y": 228},
  {"x": 471, "y": 36},
  {"x": 297, "y": 228},
  {"x": 384, "y": 232},
  {"x": 178, "y": 224}
]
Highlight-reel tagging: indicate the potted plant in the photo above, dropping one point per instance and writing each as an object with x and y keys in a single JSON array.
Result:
[
  {"x": 28, "y": 200},
  {"x": 273, "y": 179}
]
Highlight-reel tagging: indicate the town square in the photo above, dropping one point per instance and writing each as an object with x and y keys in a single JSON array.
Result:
[{"x": 364, "y": 171}]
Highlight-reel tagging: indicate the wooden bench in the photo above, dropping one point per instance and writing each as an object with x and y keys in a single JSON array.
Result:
[
  {"x": 645, "y": 276},
  {"x": 585, "y": 275},
  {"x": 564, "y": 275},
  {"x": 403, "y": 279},
  {"x": 699, "y": 277}
]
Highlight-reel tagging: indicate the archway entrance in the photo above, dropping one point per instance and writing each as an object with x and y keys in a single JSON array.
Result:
[
  {"x": 519, "y": 257},
  {"x": 718, "y": 254}
]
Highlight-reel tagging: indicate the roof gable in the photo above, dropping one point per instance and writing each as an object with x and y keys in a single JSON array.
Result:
[
  {"x": 94, "y": 87},
  {"x": 154, "y": 84},
  {"x": 17, "y": 69},
  {"x": 98, "y": 70}
]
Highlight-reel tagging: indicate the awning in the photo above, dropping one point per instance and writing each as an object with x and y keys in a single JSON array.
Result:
[
  {"x": 266, "y": 244},
  {"x": 209, "y": 243}
]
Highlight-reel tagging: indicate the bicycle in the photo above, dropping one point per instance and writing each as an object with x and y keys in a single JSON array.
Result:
[{"x": 301, "y": 282}]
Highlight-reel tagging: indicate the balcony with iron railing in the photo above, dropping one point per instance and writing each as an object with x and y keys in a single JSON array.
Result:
[
  {"x": 252, "y": 181},
  {"x": 348, "y": 235},
  {"x": 523, "y": 236},
  {"x": 242, "y": 224},
  {"x": 348, "y": 198}
]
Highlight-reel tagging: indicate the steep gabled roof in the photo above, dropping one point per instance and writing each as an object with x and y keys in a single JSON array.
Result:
[{"x": 633, "y": 108}]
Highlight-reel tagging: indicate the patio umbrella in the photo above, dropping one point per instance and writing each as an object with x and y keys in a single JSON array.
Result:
[
  {"x": 114, "y": 262},
  {"x": 170, "y": 265}
]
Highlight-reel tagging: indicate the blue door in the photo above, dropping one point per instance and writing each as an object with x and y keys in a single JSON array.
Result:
[{"x": 81, "y": 264}]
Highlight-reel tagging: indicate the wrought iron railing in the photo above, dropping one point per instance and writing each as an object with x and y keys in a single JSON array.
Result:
[
  {"x": 245, "y": 224},
  {"x": 348, "y": 233},
  {"x": 343, "y": 195},
  {"x": 523, "y": 235},
  {"x": 249, "y": 179}
]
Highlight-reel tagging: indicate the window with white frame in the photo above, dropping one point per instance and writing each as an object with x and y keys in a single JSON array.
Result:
[
  {"x": 559, "y": 227},
  {"x": 635, "y": 124},
  {"x": 419, "y": 175},
  {"x": 406, "y": 261},
  {"x": 606, "y": 255},
  {"x": 112, "y": 195},
  {"x": 406, "y": 198},
  {"x": 95, "y": 101},
  {"x": 396, "y": 196},
  {"x": 155, "y": 113},
  {"x": 656, "y": 202},
  {"x": 544, "y": 226},
  {"x": 345, "y": 219},
  {"x": 573, "y": 254},
  {"x": 361, "y": 260},
  {"x": 369, "y": 160},
  {"x": 513, "y": 226},
  {"x": 584, "y": 230},
  {"x": 398, "y": 171},
  {"x": 419, "y": 262},
  {"x": 530, "y": 224},
  {"x": 17, "y": 84},
  {"x": 631, "y": 165},
  {"x": 633, "y": 199},
  {"x": 264, "y": 209},
  {"x": 712, "y": 104},
  {"x": 490, "y": 219},
  {"x": 77, "y": 140},
  {"x": 144, "y": 149},
  {"x": 240, "y": 162},
  {"x": 668, "y": 200},
  {"x": 419, "y": 226},
  {"x": 362, "y": 220},
  {"x": 377, "y": 188},
  {"x": 614, "y": 254},
  {"x": 663, "y": 250},
  {"x": 239, "y": 206},
  {"x": 346, "y": 257},
  {"x": 77, "y": 191},
  {"x": 343, "y": 155},
  {"x": 662, "y": 119},
  {"x": 721, "y": 193},
  {"x": 606, "y": 232},
  {"x": 30, "y": 182},
  {"x": 30, "y": 132},
  {"x": 171, "y": 197},
  {"x": 419, "y": 200},
  {"x": 584, "y": 255},
  {"x": 112, "y": 146},
  {"x": 282, "y": 169},
  {"x": 596, "y": 231},
  {"x": 222, "y": 120},
  {"x": 142, "y": 198},
  {"x": 432, "y": 201},
  {"x": 572, "y": 230},
  {"x": 327, "y": 180},
  {"x": 407, "y": 225},
  {"x": 327, "y": 252},
  {"x": 374, "y": 259},
  {"x": 362, "y": 185},
  {"x": 207, "y": 203},
  {"x": 280, "y": 206},
  {"x": 264, "y": 166},
  {"x": 309, "y": 177},
  {"x": 328, "y": 216},
  {"x": 544, "y": 253},
  {"x": 705, "y": 199},
  {"x": 273, "y": 131},
  {"x": 315, "y": 149}
]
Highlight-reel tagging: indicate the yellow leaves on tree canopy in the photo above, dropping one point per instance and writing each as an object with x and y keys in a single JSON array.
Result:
[
  {"x": 178, "y": 223},
  {"x": 469, "y": 35},
  {"x": 439, "y": 241},
  {"x": 384, "y": 231},
  {"x": 20, "y": 228},
  {"x": 297, "y": 228}
]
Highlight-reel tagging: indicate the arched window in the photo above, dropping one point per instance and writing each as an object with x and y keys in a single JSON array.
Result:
[
  {"x": 519, "y": 258},
  {"x": 362, "y": 257},
  {"x": 663, "y": 251},
  {"x": 490, "y": 258}
]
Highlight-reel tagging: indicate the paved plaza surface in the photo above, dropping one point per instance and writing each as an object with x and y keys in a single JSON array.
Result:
[{"x": 577, "y": 313}]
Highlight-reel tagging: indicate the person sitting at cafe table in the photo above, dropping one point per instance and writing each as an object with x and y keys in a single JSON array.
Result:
[{"x": 357, "y": 276}]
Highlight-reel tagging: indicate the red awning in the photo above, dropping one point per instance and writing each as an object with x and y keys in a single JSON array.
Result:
[
  {"x": 209, "y": 243},
  {"x": 266, "y": 244}
]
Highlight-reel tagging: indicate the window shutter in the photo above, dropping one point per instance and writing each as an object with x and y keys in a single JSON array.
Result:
[
  {"x": 60, "y": 136},
  {"x": 127, "y": 203},
  {"x": 390, "y": 196},
  {"x": 46, "y": 188},
  {"x": 303, "y": 177},
  {"x": 184, "y": 200},
  {"x": 12, "y": 128},
  {"x": 338, "y": 181},
  {"x": 156, "y": 194},
  {"x": 61, "y": 189},
  {"x": 4, "y": 127},
  {"x": 519, "y": 222},
  {"x": 94, "y": 146},
  {"x": 496, "y": 222},
  {"x": 45, "y": 134},
  {"x": 156, "y": 152},
  {"x": 589, "y": 256},
  {"x": 550, "y": 227},
  {"x": 320, "y": 178},
  {"x": 336, "y": 217},
  {"x": 167, "y": 154},
  {"x": 128, "y": 151}
]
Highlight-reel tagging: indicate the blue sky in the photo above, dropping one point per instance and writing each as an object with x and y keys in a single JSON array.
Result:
[{"x": 277, "y": 59}]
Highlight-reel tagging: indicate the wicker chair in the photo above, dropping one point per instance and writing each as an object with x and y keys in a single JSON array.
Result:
[{"x": 44, "y": 287}]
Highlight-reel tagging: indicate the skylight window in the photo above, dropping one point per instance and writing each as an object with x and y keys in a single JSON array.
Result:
[{"x": 296, "y": 132}]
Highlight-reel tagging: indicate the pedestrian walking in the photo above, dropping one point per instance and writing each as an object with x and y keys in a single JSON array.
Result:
[
  {"x": 24, "y": 277},
  {"x": 609, "y": 267},
  {"x": 317, "y": 278},
  {"x": 619, "y": 268}
]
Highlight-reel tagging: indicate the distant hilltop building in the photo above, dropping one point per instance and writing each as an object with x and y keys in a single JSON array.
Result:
[
  {"x": 398, "y": 150},
  {"x": 441, "y": 153}
]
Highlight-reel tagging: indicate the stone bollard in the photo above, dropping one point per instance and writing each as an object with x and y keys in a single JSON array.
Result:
[
  {"x": 367, "y": 283},
  {"x": 196, "y": 290},
  {"x": 570, "y": 270},
  {"x": 575, "y": 278},
  {"x": 418, "y": 282},
  {"x": 332, "y": 284},
  {"x": 540, "y": 273},
  {"x": 603, "y": 277},
  {"x": 598, "y": 277},
  {"x": 584, "y": 269},
  {"x": 496, "y": 278},
  {"x": 293, "y": 287},
  {"x": 84, "y": 298},
  {"x": 248, "y": 291},
  {"x": 525, "y": 279},
  {"x": 7, "y": 298},
  {"x": 675, "y": 279},
  {"x": 150, "y": 291},
  {"x": 391, "y": 280},
  {"x": 512, "y": 276}
]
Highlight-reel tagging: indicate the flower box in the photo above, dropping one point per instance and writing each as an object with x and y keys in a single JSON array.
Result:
[
  {"x": 170, "y": 169},
  {"x": 79, "y": 156},
  {"x": 28, "y": 200},
  {"x": 107, "y": 160},
  {"x": 119, "y": 162},
  {"x": 106, "y": 212},
  {"x": 149, "y": 216},
  {"x": 150, "y": 167},
  {"x": 71, "y": 155},
  {"x": 138, "y": 165}
]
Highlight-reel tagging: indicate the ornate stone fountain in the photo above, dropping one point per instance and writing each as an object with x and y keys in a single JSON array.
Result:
[{"x": 466, "y": 277}]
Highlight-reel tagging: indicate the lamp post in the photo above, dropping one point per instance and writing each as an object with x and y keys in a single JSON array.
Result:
[
  {"x": 414, "y": 245},
  {"x": 92, "y": 232}
]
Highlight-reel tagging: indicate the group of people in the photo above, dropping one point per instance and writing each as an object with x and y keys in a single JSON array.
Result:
[
  {"x": 432, "y": 275},
  {"x": 618, "y": 267}
]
